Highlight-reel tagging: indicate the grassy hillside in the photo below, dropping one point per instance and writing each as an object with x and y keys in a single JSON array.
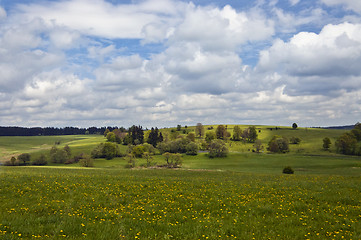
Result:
[
  {"x": 308, "y": 157},
  {"x": 13, "y": 146}
]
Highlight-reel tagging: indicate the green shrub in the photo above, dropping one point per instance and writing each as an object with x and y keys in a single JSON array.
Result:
[
  {"x": 130, "y": 161},
  {"x": 138, "y": 151},
  {"x": 192, "y": 148},
  {"x": 24, "y": 158},
  {"x": 295, "y": 140},
  {"x": 217, "y": 148},
  {"x": 326, "y": 143},
  {"x": 106, "y": 150},
  {"x": 288, "y": 170},
  {"x": 86, "y": 161},
  {"x": 173, "y": 160},
  {"x": 12, "y": 162},
  {"x": 41, "y": 161},
  {"x": 278, "y": 144}
]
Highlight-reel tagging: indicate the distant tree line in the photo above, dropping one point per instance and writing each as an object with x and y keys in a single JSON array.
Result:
[{"x": 52, "y": 131}]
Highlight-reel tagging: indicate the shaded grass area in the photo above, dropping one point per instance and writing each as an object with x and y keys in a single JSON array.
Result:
[
  {"x": 13, "y": 146},
  {"x": 70, "y": 203}
]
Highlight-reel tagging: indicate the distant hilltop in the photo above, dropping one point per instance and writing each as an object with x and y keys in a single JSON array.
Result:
[{"x": 347, "y": 127}]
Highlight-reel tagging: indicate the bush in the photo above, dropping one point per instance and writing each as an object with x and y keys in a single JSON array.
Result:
[
  {"x": 278, "y": 144},
  {"x": 288, "y": 170},
  {"x": 149, "y": 158},
  {"x": 86, "y": 161},
  {"x": 217, "y": 148},
  {"x": 41, "y": 161},
  {"x": 192, "y": 148},
  {"x": 12, "y": 162},
  {"x": 138, "y": 151},
  {"x": 295, "y": 140},
  {"x": 176, "y": 146},
  {"x": 326, "y": 143},
  {"x": 173, "y": 160},
  {"x": 58, "y": 155},
  {"x": 346, "y": 144},
  {"x": 130, "y": 161},
  {"x": 106, "y": 150},
  {"x": 24, "y": 159}
]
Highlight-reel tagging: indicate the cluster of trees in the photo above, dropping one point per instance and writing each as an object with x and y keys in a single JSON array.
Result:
[
  {"x": 155, "y": 137},
  {"x": 278, "y": 144},
  {"x": 106, "y": 150},
  {"x": 56, "y": 155},
  {"x": 349, "y": 142},
  {"x": 134, "y": 135},
  {"x": 179, "y": 145}
]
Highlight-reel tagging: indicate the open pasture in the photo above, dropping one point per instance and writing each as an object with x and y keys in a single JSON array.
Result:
[
  {"x": 53, "y": 203},
  {"x": 13, "y": 146}
]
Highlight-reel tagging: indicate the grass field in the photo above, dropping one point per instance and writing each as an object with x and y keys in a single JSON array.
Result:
[
  {"x": 13, "y": 146},
  {"x": 53, "y": 203},
  {"x": 243, "y": 196}
]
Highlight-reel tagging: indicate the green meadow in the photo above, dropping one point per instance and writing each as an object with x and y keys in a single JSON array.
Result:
[{"x": 242, "y": 196}]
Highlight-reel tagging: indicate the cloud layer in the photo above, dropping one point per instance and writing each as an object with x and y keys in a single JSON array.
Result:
[{"x": 167, "y": 62}]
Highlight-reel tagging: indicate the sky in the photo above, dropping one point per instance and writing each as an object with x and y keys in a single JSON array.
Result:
[{"x": 162, "y": 63}]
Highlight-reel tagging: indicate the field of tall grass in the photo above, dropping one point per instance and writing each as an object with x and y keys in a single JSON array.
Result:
[{"x": 65, "y": 203}]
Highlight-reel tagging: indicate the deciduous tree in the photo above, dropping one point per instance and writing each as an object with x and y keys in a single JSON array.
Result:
[
  {"x": 217, "y": 148},
  {"x": 199, "y": 130},
  {"x": 326, "y": 143}
]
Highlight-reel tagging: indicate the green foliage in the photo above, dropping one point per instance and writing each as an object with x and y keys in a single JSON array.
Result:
[
  {"x": 288, "y": 170},
  {"x": 295, "y": 140},
  {"x": 174, "y": 135},
  {"x": 127, "y": 140},
  {"x": 278, "y": 144},
  {"x": 149, "y": 159},
  {"x": 252, "y": 137},
  {"x": 258, "y": 145},
  {"x": 131, "y": 161},
  {"x": 106, "y": 150},
  {"x": 179, "y": 127},
  {"x": 237, "y": 132},
  {"x": 106, "y": 132},
  {"x": 155, "y": 137},
  {"x": 221, "y": 132},
  {"x": 12, "y": 162},
  {"x": 192, "y": 148},
  {"x": 67, "y": 150},
  {"x": 86, "y": 161},
  {"x": 148, "y": 148},
  {"x": 199, "y": 130},
  {"x": 178, "y": 145},
  {"x": 58, "y": 155},
  {"x": 173, "y": 160},
  {"x": 217, "y": 148},
  {"x": 111, "y": 137},
  {"x": 191, "y": 137},
  {"x": 138, "y": 151},
  {"x": 211, "y": 135},
  {"x": 346, "y": 144},
  {"x": 40, "y": 161},
  {"x": 136, "y": 135},
  {"x": 326, "y": 143},
  {"x": 24, "y": 158}
]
